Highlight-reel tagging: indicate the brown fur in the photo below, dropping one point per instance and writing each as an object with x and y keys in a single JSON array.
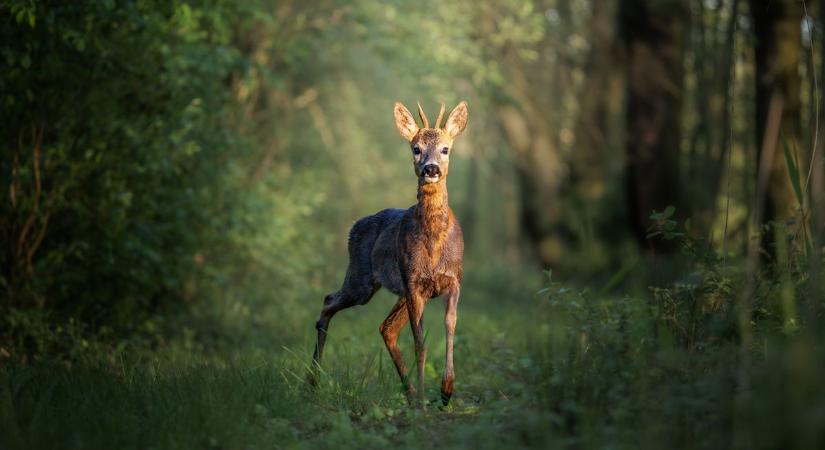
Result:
[{"x": 415, "y": 253}]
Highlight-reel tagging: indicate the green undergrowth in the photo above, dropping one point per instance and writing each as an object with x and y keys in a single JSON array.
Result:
[{"x": 539, "y": 364}]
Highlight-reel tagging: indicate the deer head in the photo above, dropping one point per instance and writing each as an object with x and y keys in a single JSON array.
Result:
[{"x": 430, "y": 146}]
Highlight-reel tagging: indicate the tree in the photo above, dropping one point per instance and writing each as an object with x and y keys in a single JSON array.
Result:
[
  {"x": 602, "y": 69},
  {"x": 712, "y": 56},
  {"x": 777, "y": 33},
  {"x": 536, "y": 64},
  {"x": 653, "y": 36}
]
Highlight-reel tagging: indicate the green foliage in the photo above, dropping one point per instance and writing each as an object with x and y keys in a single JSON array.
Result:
[
  {"x": 193, "y": 155},
  {"x": 792, "y": 164},
  {"x": 122, "y": 159},
  {"x": 663, "y": 225},
  {"x": 178, "y": 177},
  {"x": 671, "y": 370},
  {"x": 129, "y": 184},
  {"x": 564, "y": 368}
]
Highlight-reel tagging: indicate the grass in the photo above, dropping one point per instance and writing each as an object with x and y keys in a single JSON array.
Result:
[
  {"x": 559, "y": 368},
  {"x": 252, "y": 394}
]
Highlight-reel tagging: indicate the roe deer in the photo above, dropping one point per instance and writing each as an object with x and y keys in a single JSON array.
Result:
[{"x": 414, "y": 253}]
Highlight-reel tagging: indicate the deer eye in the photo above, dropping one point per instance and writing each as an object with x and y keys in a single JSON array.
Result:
[
  {"x": 445, "y": 150},
  {"x": 416, "y": 151}
]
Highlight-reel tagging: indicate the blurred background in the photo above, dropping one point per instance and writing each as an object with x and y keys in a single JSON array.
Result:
[
  {"x": 194, "y": 156},
  {"x": 641, "y": 189}
]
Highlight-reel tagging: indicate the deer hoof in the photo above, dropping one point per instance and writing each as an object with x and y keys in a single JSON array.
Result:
[{"x": 446, "y": 390}]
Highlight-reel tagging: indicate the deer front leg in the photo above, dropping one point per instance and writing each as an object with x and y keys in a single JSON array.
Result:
[
  {"x": 415, "y": 306},
  {"x": 450, "y": 316},
  {"x": 390, "y": 329}
]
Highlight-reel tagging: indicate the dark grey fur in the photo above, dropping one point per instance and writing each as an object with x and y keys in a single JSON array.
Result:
[{"x": 375, "y": 259}]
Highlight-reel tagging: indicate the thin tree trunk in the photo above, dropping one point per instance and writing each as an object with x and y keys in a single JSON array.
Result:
[
  {"x": 726, "y": 131},
  {"x": 777, "y": 51},
  {"x": 589, "y": 162}
]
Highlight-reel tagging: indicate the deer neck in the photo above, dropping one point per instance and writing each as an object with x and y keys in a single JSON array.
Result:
[{"x": 433, "y": 214}]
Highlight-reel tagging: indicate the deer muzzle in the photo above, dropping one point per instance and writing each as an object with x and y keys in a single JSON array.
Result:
[{"x": 431, "y": 173}]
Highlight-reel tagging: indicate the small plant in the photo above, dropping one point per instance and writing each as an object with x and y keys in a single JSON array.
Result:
[{"x": 664, "y": 225}]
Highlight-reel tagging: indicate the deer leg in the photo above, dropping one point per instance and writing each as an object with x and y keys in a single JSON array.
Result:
[
  {"x": 415, "y": 307},
  {"x": 390, "y": 329},
  {"x": 333, "y": 303},
  {"x": 450, "y": 316}
]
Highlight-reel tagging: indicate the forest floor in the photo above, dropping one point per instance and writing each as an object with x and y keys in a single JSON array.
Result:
[
  {"x": 522, "y": 381},
  {"x": 251, "y": 393}
]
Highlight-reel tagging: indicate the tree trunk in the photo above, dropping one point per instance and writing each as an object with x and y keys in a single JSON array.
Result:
[
  {"x": 777, "y": 52},
  {"x": 540, "y": 174},
  {"x": 653, "y": 33},
  {"x": 526, "y": 108},
  {"x": 602, "y": 84}
]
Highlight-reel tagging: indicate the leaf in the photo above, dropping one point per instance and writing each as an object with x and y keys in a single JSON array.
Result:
[
  {"x": 543, "y": 291},
  {"x": 793, "y": 170}
]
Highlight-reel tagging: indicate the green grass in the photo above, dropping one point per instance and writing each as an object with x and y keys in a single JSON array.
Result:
[
  {"x": 560, "y": 368},
  {"x": 248, "y": 390}
]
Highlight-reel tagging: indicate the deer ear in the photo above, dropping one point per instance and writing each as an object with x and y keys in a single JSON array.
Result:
[
  {"x": 405, "y": 122},
  {"x": 457, "y": 120}
]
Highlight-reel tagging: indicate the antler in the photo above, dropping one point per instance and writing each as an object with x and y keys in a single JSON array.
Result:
[
  {"x": 440, "y": 115},
  {"x": 424, "y": 121}
]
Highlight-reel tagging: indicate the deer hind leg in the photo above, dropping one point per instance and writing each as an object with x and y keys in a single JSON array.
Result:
[
  {"x": 348, "y": 296},
  {"x": 390, "y": 329},
  {"x": 450, "y": 316},
  {"x": 359, "y": 284}
]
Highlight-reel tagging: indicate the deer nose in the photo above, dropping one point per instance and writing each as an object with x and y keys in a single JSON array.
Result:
[{"x": 432, "y": 170}]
